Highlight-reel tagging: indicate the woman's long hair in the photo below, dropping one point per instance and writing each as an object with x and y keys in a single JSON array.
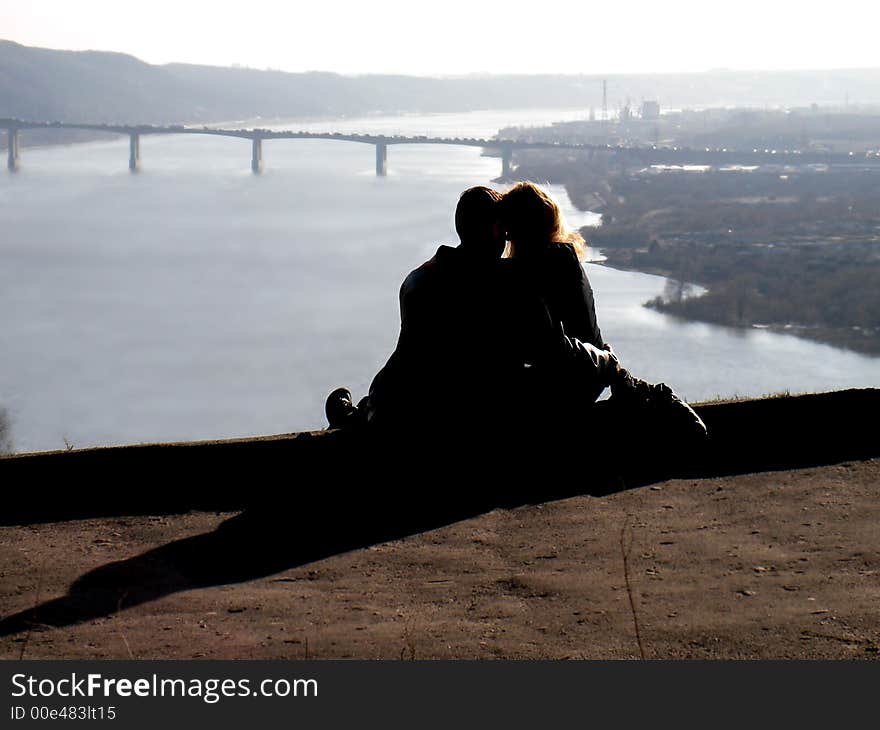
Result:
[{"x": 533, "y": 219}]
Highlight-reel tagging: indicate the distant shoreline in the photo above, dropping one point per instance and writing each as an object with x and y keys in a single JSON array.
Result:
[{"x": 842, "y": 338}]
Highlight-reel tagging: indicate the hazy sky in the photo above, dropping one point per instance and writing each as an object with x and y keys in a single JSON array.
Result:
[{"x": 462, "y": 36}]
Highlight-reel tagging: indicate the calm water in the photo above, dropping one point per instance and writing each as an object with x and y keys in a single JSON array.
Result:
[{"x": 195, "y": 300}]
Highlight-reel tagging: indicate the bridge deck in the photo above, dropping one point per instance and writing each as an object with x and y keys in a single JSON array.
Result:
[{"x": 646, "y": 155}]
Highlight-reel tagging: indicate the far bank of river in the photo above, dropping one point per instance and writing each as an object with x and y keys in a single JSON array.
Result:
[{"x": 847, "y": 338}]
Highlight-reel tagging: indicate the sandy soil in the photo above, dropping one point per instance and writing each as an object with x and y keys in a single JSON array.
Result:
[{"x": 769, "y": 565}]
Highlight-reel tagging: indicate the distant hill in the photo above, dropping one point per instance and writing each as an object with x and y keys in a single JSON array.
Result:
[{"x": 45, "y": 84}]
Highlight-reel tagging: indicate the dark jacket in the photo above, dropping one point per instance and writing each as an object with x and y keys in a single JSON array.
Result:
[
  {"x": 576, "y": 378},
  {"x": 554, "y": 273},
  {"x": 466, "y": 333}
]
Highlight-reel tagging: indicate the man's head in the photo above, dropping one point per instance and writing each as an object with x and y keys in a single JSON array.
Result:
[{"x": 477, "y": 221}]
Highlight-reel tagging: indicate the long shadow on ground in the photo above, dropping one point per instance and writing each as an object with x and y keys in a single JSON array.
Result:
[
  {"x": 251, "y": 545},
  {"x": 315, "y": 495}
]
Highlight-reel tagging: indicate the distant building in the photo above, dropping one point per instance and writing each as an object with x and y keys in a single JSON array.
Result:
[{"x": 650, "y": 110}]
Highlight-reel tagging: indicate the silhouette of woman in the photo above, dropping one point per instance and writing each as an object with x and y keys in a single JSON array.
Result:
[
  {"x": 547, "y": 257},
  {"x": 550, "y": 257}
]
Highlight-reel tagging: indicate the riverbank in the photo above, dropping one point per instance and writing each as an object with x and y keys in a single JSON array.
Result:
[
  {"x": 726, "y": 307},
  {"x": 789, "y": 248}
]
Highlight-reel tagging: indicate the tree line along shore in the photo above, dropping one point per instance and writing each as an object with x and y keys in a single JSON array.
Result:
[
  {"x": 794, "y": 249},
  {"x": 788, "y": 247}
]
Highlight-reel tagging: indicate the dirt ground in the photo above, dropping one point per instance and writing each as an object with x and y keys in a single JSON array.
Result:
[{"x": 768, "y": 565}]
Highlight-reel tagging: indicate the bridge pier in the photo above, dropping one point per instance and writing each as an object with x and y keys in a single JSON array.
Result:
[
  {"x": 381, "y": 159},
  {"x": 134, "y": 152},
  {"x": 13, "y": 143},
  {"x": 257, "y": 155},
  {"x": 506, "y": 162}
]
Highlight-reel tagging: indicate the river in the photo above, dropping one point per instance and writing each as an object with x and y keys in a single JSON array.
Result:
[{"x": 195, "y": 300}]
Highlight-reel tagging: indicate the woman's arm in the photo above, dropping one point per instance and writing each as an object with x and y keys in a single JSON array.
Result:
[{"x": 574, "y": 295}]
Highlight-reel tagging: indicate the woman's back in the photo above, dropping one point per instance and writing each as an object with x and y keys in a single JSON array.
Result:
[
  {"x": 548, "y": 253},
  {"x": 553, "y": 272}
]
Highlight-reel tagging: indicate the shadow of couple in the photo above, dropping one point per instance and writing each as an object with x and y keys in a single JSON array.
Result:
[{"x": 254, "y": 544}]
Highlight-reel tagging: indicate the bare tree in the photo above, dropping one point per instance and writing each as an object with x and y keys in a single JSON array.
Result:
[{"x": 5, "y": 432}]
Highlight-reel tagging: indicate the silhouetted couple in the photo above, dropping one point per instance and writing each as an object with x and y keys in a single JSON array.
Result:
[{"x": 499, "y": 342}]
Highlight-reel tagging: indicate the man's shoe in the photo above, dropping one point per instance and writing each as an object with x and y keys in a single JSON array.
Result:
[
  {"x": 663, "y": 403},
  {"x": 680, "y": 414},
  {"x": 338, "y": 408}
]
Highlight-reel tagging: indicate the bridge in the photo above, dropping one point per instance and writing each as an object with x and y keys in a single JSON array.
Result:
[{"x": 622, "y": 155}]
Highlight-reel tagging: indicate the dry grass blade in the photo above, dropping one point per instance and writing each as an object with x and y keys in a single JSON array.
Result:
[
  {"x": 27, "y": 636},
  {"x": 124, "y": 640},
  {"x": 408, "y": 651},
  {"x": 625, "y": 548}
]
